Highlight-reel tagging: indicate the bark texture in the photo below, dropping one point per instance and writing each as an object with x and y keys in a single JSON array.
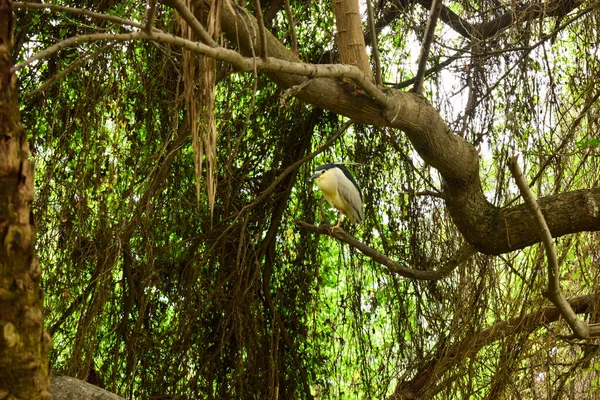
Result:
[
  {"x": 350, "y": 37},
  {"x": 23, "y": 344},
  {"x": 490, "y": 229}
]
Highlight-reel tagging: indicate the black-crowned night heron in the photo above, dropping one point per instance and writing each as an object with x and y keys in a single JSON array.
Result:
[{"x": 340, "y": 190}]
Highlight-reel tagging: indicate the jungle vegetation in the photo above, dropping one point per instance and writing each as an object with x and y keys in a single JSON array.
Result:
[{"x": 183, "y": 250}]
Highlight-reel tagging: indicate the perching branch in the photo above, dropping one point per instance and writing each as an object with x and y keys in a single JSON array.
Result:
[
  {"x": 462, "y": 255},
  {"x": 426, "y": 45},
  {"x": 554, "y": 294}
]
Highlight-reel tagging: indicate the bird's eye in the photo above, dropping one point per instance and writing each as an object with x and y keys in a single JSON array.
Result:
[{"x": 322, "y": 171}]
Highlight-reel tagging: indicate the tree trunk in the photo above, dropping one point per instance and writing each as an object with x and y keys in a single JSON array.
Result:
[
  {"x": 23, "y": 344},
  {"x": 350, "y": 37}
]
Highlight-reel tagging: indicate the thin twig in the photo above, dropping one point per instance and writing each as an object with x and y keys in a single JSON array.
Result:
[
  {"x": 261, "y": 29},
  {"x": 290, "y": 17},
  {"x": 436, "y": 6},
  {"x": 462, "y": 255},
  {"x": 150, "y": 15},
  {"x": 434, "y": 69},
  {"x": 81, "y": 61},
  {"x": 374, "y": 47},
  {"x": 579, "y": 327},
  {"x": 191, "y": 20}
]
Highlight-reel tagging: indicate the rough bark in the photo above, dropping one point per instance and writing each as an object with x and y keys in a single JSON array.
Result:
[
  {"x": 490, "y": 229},
  {"x": 350, "y": 37},
  {"x": 23, "y": 344}
]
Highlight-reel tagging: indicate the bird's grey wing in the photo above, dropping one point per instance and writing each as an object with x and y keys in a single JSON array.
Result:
[{"x": 352, "y": 198}]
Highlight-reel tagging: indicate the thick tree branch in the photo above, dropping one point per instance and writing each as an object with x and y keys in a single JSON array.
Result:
[
  {"x": 462, "y": 255},
  {"x": 350, "y": 36}
]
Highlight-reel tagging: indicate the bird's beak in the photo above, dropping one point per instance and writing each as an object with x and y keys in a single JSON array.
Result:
[{"x": 315, "y": 176}]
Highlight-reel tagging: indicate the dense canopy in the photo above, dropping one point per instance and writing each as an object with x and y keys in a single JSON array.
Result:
[{"x": 186, "y": 254}]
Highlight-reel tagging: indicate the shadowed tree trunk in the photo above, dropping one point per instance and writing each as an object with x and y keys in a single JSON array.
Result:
[{"x": 23, "y": 344}]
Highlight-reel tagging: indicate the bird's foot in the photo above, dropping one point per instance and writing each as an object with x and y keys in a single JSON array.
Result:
[{"x": 333, "y": 228}]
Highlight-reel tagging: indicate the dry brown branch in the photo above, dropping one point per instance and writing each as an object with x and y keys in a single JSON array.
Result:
[
  {"x": 462, "y": 255},
  {"x": 426, "y": 45},
  {"x": 579, "y": 327}
]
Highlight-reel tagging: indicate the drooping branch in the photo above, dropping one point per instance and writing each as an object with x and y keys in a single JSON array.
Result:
[
  {"x": 80, "y": 11},
  {"x": 219, "y": 53}
]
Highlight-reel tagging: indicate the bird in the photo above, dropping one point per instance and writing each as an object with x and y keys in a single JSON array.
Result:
[{"x": 341, "y": 191}]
